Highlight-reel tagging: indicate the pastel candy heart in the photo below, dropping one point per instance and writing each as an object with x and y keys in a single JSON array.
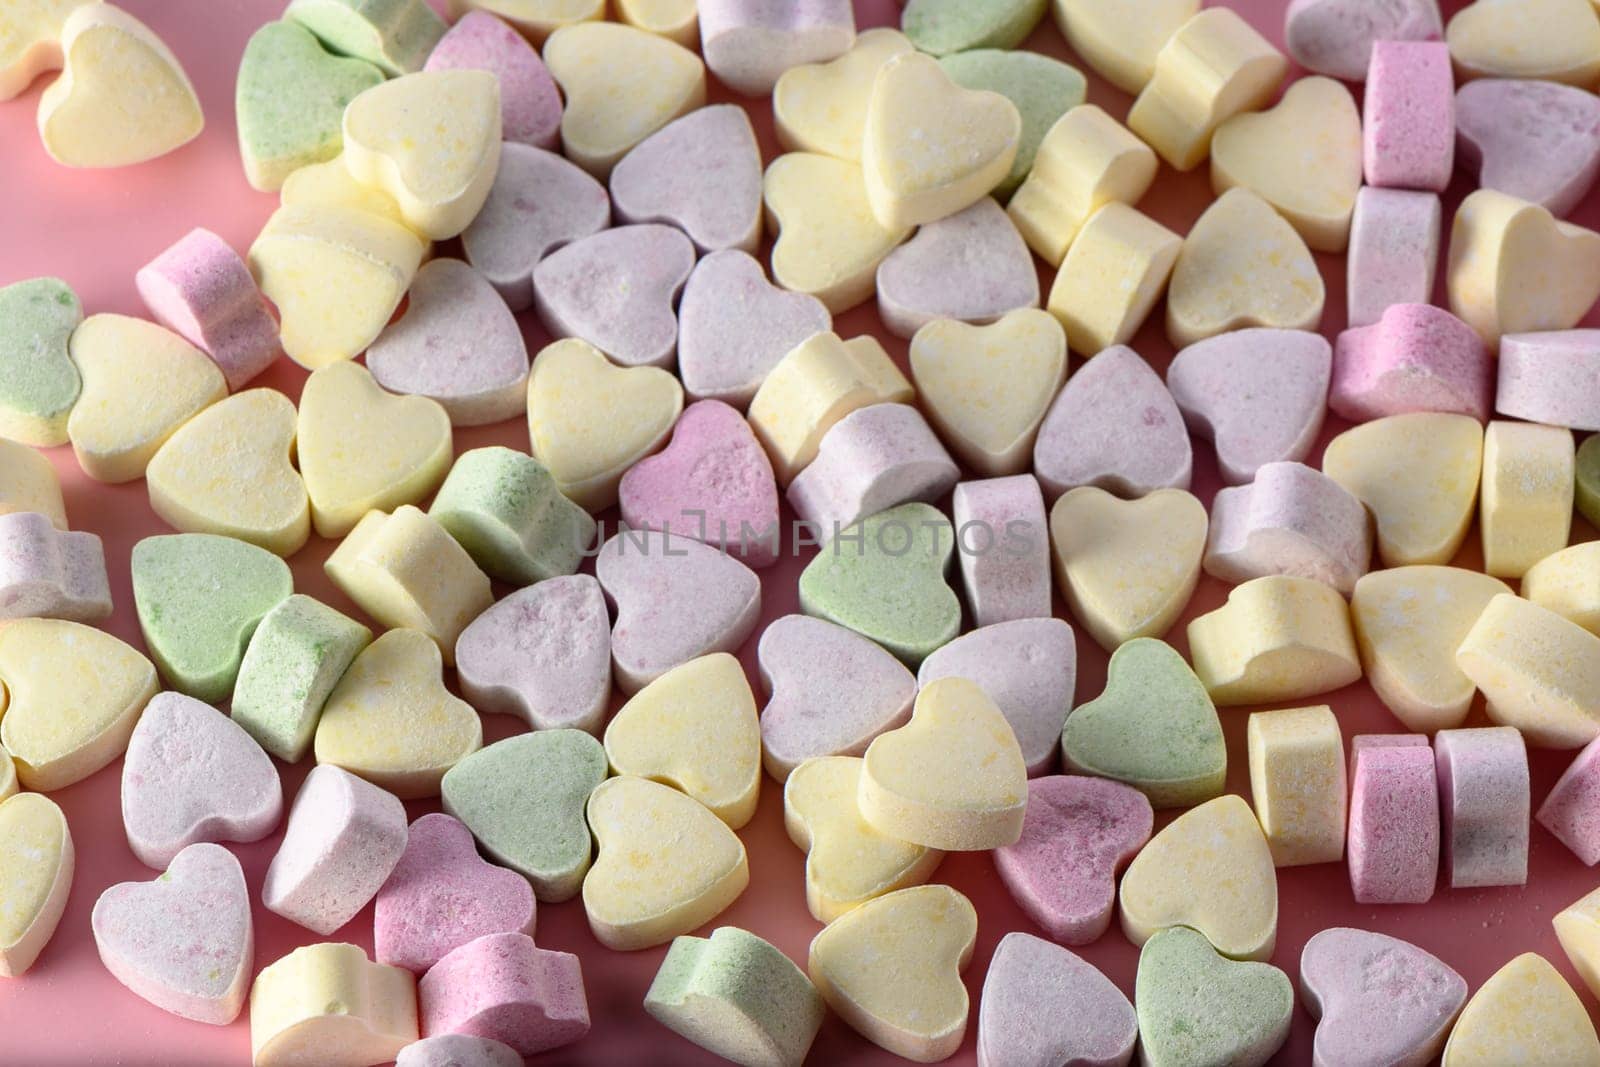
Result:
[
  {"x": 1529, "y": 477},
  {"x": 75, "y": 696},
  {"x": 676, "y": 20},
  {"x": 712, "y": 482},
  {"x": 503, "y": 986},
  {"x": 523, "y": 799},
  {"x": 1195, "y": 1006},
  {"x": 122, "y": 97},
  {"x": 1005, "y": 562},
  {"x": 36, "y": 845},
  {"x": 1543, "y": 377},
  {"x": 748, "y": 46},
  {"x": 590, "y": 420},
  {"x": 1043, "y": 1006},
  {"x": 1555, "y": 40},
  {"x": 543, "y": 654},
  {"x": 395, "y": 35},
  {"x": 330, "y": 185},
  {"x": 1121, "y": 41},
  {"x": 1535, "y": 140},
  {"x": 535, "y": 19},
  {"x": 1111, "y": 277},
  {"x": 1293, "y": 520},
  {"x": 538, "y": 203},
  {"x": 1043, "y": 90},
  {"x": 376, "y": 1006},
  {"x": 1393, "y": 837},
  {"x": 700, "y": 173},
  {"x": 1416, "y": 357},
  {"x": 1377, "y": 998},
  {"x": 1277, "y": 638},
  {"x": 458, "y": 1050},
  {"x": 1297, "y": 780},
  {"x": 675, "y": 599},
  {"x": 1127, "y": 567},
  {"x": 622, "y": 84},
  {"x": 1335, "y": 37},
  {"x": 199, "y": 598},
  {"x": 28, "y": 483},
  {"x": 616, "y": 290},
  {"x": 892, "y": 970},
  {"x": 822, "y": 107},
  {"x": 192, "y": 774},
  {"x": 31, "y": 42},
  {"x": 289, "y": 101},
  {"x": 39, "y": 383},
  {"x": 1564, "y": 582},
  {"x": 458, "y": 344},
  {"x": 183, "y": 941},
  {"x": 298, "y": 653},
  {"x": 1408, "y": 115},
  {"x": 51, "y": 573},
  {"x": 1242, "y": 265},
  {"x": 971, "y": 266},
  {"x": 8, "y": 776},
  {"x": 940, "y": 27},
  {"x": 530, "y": 103},
  {"x": 1116, "y": 427},
  {"x": 1076, "y": 836},
  {"x": 507, "y": 512},
  {"x": 1536, "y": 671},
  {"x": 665, "y": 864},
  {"x": 1575, "y": 927},
  {"x": 1525, "y": 1011},
  {"x": 1483, "y": 798},
  {"x": 1394, "y": 252},
  {"x": 874, "y": 458}
]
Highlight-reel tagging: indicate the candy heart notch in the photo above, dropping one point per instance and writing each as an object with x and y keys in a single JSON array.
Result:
[
  {"x": 183, "y": 941},
  {"x": 700, "y": 173},
  {"x": 39, "y": 383},
  {"x": 1043, "y": 1004},
  {"x": 1534, "y": 140},
  {"x": 1196, "y": 1006},
  {"x": 1335, "y": 37},
  {"x": 36, "y": 849},
  {"x": 1378, "y": 999}
]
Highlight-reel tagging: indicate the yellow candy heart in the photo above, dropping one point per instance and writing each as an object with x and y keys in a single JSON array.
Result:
[
  {"x": 36, "y": 866},
  {"x": 822, "y": 107},
  {"x": 391, "y": 720},
  {"x": 1121, "y": 40},
  {"x": 676, "y": 20},
  {"x": 30, "y": 41},
  {"x": 122, "y": 97},
  {"x": 1553, "y": 40},
  {"x": 1127, "y": 567},
  {"x": 932, "y": 147},
  {"x": 1210, "y": 869},
  {"x": 330, "y": 996},
  {"x": 1538, "y": 672},
  {"x": 622, "y": 84},
  {"x": 1115, "y": 271},
  {"x": 362, "y": 448},
  {"x": 590, "y": 420},
  {"x": 75, "y": 694},
  {"x": 140, "y": 384},
  {"x": 8, "y": 775},
  {"x": 695, "y": 729},
  {"x": 1568, "y": 583},
  {"x": 28, "y": 483},
  {"x": 666, "y": 865},
  {"x": 1297, "y": 781},
  {"x": 1525, "y": 1013},
  {"x": 330, "y": 184},
  {"x": 1275, "y": 639},
  {"x": 1525, "y": 514},
  {"x": 1578, "y": 929}
]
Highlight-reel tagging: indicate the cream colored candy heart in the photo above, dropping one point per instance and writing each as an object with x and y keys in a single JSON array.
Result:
[
  {"x": 36, "y": 867},
  {"x": 822, "y": 107},
  {"x": 362, "y": 449},
  {"x": 1525, "y": 1013},
  {"x": 1568, "y": 583},
  {"x": 1577, "y": 927},
  {"x": 591, "y": 420},
  {"x": 330, "y": 996},
  {"x": 932, "y": 147},
  {"x": 1525, "y": 502},
  {"x": 1537, "y": 671},
  {"x": 8, "y": 776},
  {"x": 1242, "y": 265},
  {"x": 1209, "y": 869},
  {"x": 987, "y": 388},
  {"x": 534, "y": 19},
  {"x": 1298, "y": 783},
  {"x": 695, "y": 729},
  {"x": 892, "y": 970},
  {"x": 140, "y": 384},
  {"x": 1551, "y": 40},
  {"x": 1275, "y": 639},
  {"x": 75, "y": 694},
  {"x": 676, "y": 20},
  {"x": 122, "y": 97},
  {"x": 1302, "y": 156},
  {"x": 1127, "y": 567},
  {"x": 430, "y": 140},
  {"x": 622, "y": 84},
  {"x": 228, "y": 471},
  {"x": 30, "y": 41},
  {"x": 1111, "y": 278},
  {"x": 28, "y": 483},
  {"x": 1121, "y": 40},
  {"x": 330, "y": 184}
]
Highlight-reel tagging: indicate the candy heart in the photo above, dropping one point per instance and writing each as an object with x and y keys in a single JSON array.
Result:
[
  {"x": 748, "y": 46},
  {"x": 38, "y": 381},
  {"x": 458, "y": 1050},
  {"x": 122, "y": 97},
  {"x": 183, "y": 941},
  {"x": 1335, "y": 37},
  {"x": 676, "y": 20},
  {"x": 75, "y": 695},
  {"x": 1043, "y": 90},
  {"x": 1209, "y": 869},
  {"x": 1276, "y": 639},
  {"x": 192, "y": 774},
  {"x": 676, "y": 599},
  {"x": 931, "y": 147},
  {"x": 1114, "y": 426},
  {"x": 874, "y": 458},
  {"x": 32, "y": 42},
  {"x": 538, "y": 203},
  {"x": 617, "y": 290},
  {"x": 734, "y": 326},
  {"x": 326, "y": 996},
  {"x": 361, "y": 448},
  {"x": 1154, "y": 727},
  {"x": 394, "y": 35},
  {"x": 713, "y": 482},
  {"x": 621, "y": 85},
  {"x": 1534, "y": 140},
  {"x": 940, "y": 27},
  {"x": 1293, "y": 520},
  {"x": 289, "y": 101},
  {"x": 1127, "y": 567},
  {"x": 1197, "y": 1007},
  {"x": 1416, "y": 357},
  {"x": 971, "y": 266},
  {"x": 36, "y": 845},
  {"x": 695, "y": 729},
  {"x": 523, "y": 799},
  {"x": 1525, "y": 1011},
  {"x": 458, "y": 344},
  {"x": 530, "y": 103},
  {"x": 1526, "y": 499},
  {"x": 1242, "y": 265},
  {"x": 822, "y": 107},
  {"x": 665, "y": 864},
  {"x": 28, "y": 483},
  {"x": 700, "y": 173},
  {"x": 1536, "y": 671},
  {"x": 506, "y": 511},
  {"x": 1043, "y": 1004},
  {"x": 1394, "y": 252},
  {"x": 199, "y": 598},
  {"x": 892, "y": 970},
  {"x": 227, "y": 471},
  {"x": 51, "y": 573},
  {"x": 543, "y": 653},
  {"x": 503, "y": 986},
  {"x": 1556, "y": 40},
  {"x": 1120, "y": 41},
  {"x": 391, "y": 720},
  {"x": 330, "y": 185},
  {"x": 1379, "y": 999},
  {"x": 535, "y": 19}
]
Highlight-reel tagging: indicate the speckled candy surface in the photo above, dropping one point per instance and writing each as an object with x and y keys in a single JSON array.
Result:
[
  {"x": 1525, "y": 1012},
  {"x": 1197, "y": 1007},
  {"x": 40, "y": 861},
  {"x": 458, "y": 1050},
  {"x": 501, "y": 986},
  {"x": 618, "y": 289},
  {"x": 1415, "y": 358},
  {"x": 1483, "y": 800},
  {"x": 504, "y": 508},
  {"x": 1277, "y": 638},
  {"x": 1392, "y": 842},
  {"x": 374, "y": 1016},
  {"x": 1571, "y": 810},
  {"x": 700, "y": 173},
  {"x": 875, "y": 458},
  {"x": 1378, "y": 999},
  {"x": 28, "y": 482},
  {"x": 1003, "y": 547},
  {"x": 1291, "y": 520},
  {"x": 1536, "y": 669},
  {"x": 396, "y": 35},
  {"x": 40, "y": 381},
  {"x": 1550, "y": 39},
  {"x": 1536, "y": 140},
  {"x": 1408, "y": 116},
  {"x": 1043, "y": 89},
  {"x": 748, "y": 46},
  {"x": 530, "y": 103},
  {"x": 1044, "y": 1006},
  {"x": 50, "y": 573},
  {"x": 1394, "y": 252},
  {"x": 1550, "y": 378},
  {"x": 1297, "y": 781},
  {"x": 1335, "y": 37},
  {"x": 1525, "y": 503}
]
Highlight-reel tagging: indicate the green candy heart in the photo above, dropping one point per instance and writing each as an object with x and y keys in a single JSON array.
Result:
[
  {"x": 1154, "y": 728},
  {"x": 199, "y": 598},
  {"x": 1588, "y": 494},
  {"x": 38, "y": 381},
  {"x": 289, "y": 102},
  {"x": 506, "y": 511},
  {"x": 1197, "y": 1008},
  {"x": 883, "y": 577},
  {"x": 393, "y": 35},
  {"x": 1043, "y": 89},
  {"x": 940, "y": 27},
  {"x": 523, "y": 799}
]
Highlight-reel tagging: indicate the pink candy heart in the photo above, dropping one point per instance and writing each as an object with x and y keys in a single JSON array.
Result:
[
  {"x": 1335, "y": 37},
  {"x": 530, "y": 103},
  {"x": 972, "y": 266},
  {"x": 504, "y": 988},
  {"x": 1380, "y": 999},
  {"x": 1536, "y": 140},
  {"x": 1416, "y": 357},
  {"x": 700, "y": 173}
]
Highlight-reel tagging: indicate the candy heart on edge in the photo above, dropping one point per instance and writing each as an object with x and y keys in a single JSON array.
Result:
[
  {"x": 38, "y": 841},
  {"x": 40, "y": 382}
]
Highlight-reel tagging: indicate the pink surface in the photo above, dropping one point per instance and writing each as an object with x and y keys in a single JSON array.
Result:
[{"x": 95, "y": 228}]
